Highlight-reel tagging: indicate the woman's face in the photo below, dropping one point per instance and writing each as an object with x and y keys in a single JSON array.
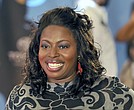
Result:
[{"x": 58, "y": 53}]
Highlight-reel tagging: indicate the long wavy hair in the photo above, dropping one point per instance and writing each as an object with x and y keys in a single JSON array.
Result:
[{"x": 80, "y": 26}]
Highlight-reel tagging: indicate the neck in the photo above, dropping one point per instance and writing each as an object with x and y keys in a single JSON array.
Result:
[{"x": 68, "y": 79}]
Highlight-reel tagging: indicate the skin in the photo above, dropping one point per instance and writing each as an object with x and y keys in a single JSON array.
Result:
[
  {"x": 100, "y": 2},
  {"x": 21, "y": 1},
  {"x": 131, "y": 51},
  {"x": 58, "y": 54}
]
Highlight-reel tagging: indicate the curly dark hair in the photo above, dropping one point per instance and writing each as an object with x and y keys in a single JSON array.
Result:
[{"x": 80, "y": 26}]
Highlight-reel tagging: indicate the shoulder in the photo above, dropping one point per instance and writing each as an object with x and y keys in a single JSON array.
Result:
[
  {"x": 17, "y": 93},
  {"x": 121, "y": 96},
  {"x": 20, "y": 90},
  {"x": 109, "y": 93},
  {"x": 111, "y": 83}
]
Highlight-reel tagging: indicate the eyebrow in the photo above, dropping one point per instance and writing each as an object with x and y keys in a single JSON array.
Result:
[{"x": 57, "y": 42}]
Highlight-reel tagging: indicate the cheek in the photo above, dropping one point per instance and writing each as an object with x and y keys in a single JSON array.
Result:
[{"x": 71, "y": 57}]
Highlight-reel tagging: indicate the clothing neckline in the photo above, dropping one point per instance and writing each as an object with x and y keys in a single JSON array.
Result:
[{"x": 59, "y": 87}]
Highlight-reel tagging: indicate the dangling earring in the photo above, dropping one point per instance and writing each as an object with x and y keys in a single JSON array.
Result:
[{"x": 80, "y": 70}]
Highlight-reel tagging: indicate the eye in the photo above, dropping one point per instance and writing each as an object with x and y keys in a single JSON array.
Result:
[
  {"x": 64, "y": 46},
  {"x": 45, "y": 46}
]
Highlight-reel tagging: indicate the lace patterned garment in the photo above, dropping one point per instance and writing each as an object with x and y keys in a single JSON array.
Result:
[{"x": 107, "y": 93}]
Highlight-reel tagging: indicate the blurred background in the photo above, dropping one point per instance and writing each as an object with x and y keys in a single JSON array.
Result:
[{"x": 18, "y": 16}]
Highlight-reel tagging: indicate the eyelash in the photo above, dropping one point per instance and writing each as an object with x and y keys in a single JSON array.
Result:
[
  {"x": 63, "y": 46},
  {"x": 44, "y": 46},
  {"x": 60, "y": 46}
]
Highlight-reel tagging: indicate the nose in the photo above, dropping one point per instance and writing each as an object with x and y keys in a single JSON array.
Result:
[{"x": 54, "y": 53}]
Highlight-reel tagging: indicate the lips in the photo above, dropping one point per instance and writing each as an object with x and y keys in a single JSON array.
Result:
[{"x": 54, "y": 66}]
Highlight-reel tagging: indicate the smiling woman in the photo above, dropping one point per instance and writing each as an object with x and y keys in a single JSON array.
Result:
[{"x": 63, "y": 71}]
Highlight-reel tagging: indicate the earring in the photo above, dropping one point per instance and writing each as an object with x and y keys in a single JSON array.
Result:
[{"x": 80, "y": 70}]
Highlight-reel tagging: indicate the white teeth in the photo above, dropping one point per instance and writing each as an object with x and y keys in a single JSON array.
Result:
[{"x": 51, "y": 65}]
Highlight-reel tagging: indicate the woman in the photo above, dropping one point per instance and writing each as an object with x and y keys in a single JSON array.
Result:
[
  {"x": 63, "y": 71},
  {"x": 128, "y": 67},
  {"x": 126, "y": 35}
]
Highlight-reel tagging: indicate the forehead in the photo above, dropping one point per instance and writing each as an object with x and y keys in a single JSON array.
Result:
[{"x": 55, "y": 32}]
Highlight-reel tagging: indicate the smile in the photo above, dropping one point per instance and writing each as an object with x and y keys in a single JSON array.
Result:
[{"x": 55, "y": 65}]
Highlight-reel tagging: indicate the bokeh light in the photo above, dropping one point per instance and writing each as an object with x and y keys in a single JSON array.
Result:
[{"x": 35, "y": 3}]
